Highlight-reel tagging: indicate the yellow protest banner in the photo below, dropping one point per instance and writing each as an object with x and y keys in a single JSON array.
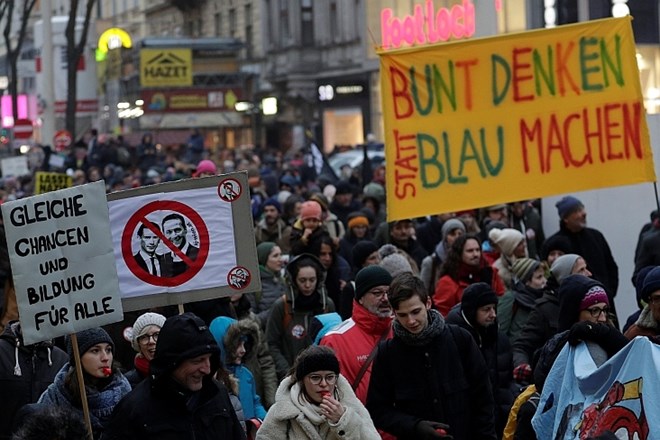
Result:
[
  {"x": 513, "y": 117},
  {"x": 47, "y": 182},
  {"x": 166, "y": 68}
]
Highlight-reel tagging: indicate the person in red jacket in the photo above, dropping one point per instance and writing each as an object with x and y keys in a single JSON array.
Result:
[
  {"x": 464, "y": 266},
  {"x": 356, "y": 338}
]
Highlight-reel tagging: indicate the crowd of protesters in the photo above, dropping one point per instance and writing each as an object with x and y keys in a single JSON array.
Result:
[{"x": 419, "y": 328}]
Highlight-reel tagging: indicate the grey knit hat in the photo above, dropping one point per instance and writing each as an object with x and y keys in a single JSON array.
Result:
[
  {"x": 450, "y": 225},
  {"x": 87, "y": 339},
  {"x": 141, "y": 324},
  {"x": 563, "y": 266}
]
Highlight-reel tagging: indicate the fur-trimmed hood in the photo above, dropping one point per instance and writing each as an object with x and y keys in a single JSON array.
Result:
[{"x": 228, "y": 333}]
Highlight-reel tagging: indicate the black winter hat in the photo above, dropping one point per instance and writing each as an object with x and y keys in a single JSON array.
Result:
[
  {"x": 474, "y": 296},
  {"x": 87, "y": 339},
  {"x": 571, "y": 293},
  {"x": 316, "y": 358},
  {"x": 361, "y": 252},
  {"x": 651, "y": 283},
  {"x": 183, "y": 337},
  {"x": 370, "y": 277},
  {"x": 639, "y": 283}
]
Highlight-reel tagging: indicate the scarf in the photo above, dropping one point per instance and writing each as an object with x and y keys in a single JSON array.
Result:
[
  {"x": 141, "y": 365},
  {"x": 436, "y": 323},
  {"x": 311, "y": 411},
  {"x": 525, "y": 295},
  {"x": 101, "y": 402},
  {"x": 308, "y": 303},
  {"x": 469, "y": 274}
]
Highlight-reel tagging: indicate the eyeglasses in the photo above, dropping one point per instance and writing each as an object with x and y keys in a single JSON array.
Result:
[
  {"x": 316, "y": 379},
  {"x": 654, "y": 300},
  {"x": 144, "y": 339},
  {"x": 596, "y": 311},
  {"x": 379, "y": 293}
]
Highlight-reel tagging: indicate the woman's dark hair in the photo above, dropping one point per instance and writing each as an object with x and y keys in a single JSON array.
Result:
[
  {"x": 315, "y": 248},
  {"x": 52, "y": 423},
  {"x": 289, "y": 206},
  {"x": 455, "y": 255},
  {"x": 305, "y": 261}
]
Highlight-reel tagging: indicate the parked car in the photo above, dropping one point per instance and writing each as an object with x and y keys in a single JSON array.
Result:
[{"x": 354, "y": 158}]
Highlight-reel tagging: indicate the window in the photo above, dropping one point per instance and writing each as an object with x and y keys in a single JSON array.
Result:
[
  {"x": 307, "y": 15},
  {"x": 217, "y": 23},
  {"x": 232, "y": 22},
  {"x": 249, "y": 49},
  {"x": 334, "y": 21},
  {"x": 285, "y": 32}
]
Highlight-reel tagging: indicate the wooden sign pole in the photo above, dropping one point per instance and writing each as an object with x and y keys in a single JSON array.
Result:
[{"x": 81, "y": 385}]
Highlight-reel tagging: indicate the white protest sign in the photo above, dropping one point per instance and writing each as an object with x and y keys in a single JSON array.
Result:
[
  {"x": 184, "y": 241},
  {"x": 14, "y": 166},
  {"x": 62, "y": 261}
]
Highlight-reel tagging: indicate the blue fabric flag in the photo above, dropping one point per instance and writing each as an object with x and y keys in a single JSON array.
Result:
[{"x": 622, "y": 396}]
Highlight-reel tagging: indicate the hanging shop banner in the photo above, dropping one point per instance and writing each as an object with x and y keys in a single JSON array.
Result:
[
  {"x": 47, "y": 182},
  {"x": 513, "y": 117},
  {"x": 62, "y": 262},
  {"x": 184, "y": 241}
]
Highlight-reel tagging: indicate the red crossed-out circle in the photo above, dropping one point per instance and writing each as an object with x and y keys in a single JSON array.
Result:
[{"x": 140, "y": 216}]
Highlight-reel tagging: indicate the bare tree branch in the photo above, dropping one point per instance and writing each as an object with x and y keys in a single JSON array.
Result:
[
  {"x": 74, "y": 50},
  {"x": 13, "y": 53}
]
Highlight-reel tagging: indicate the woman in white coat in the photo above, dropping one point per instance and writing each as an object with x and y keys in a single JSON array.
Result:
[{"x": 315, "y": 402}]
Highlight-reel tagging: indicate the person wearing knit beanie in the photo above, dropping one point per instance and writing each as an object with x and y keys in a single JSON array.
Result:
[
  {"x": 365, "y": 252},
  {"x": 147, "y": 324},
  {"x": 567, "y": 265},
  {"x": 313, "y": 359},
  {"x": 310, "y": 210},
  {"x": 651, "y": 284},
  {"x": 512, "y": 245},
  {"x": 524, "y": 268},
  {"x": 510, "y": 241},
  {"x": 647, "y": 321},
  {"x": 356, "y": 219},
  {"x": 274, "y": 203},
  {"x": 88, "y": 339},
  {"x": 105, "y": 385},
  {"x": 554, "y": 247},
  {"x": 475, "y": 296},
  {"x": 451, "y": 225},
  {"x": 578, "y": 293},
  {"x": 567, "y": 206},
  {"x": 396, "y": 264},
  {"x": 322, "y": 400},
  {"x": 369, "y": 278},
  {"x": 263, "y": 251},
  {"x": 144, "y": 336},
  {"x": 205, "y": 168}
]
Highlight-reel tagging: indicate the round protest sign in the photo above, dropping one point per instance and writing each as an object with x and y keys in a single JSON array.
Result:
[
  {"x": 173, "y": 243},
  {"x": 229, "y": 190}
]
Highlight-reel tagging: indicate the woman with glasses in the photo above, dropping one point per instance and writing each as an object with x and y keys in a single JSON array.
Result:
[
  {"x": 143, "y": 340},
  {"x": 316, "y": 402}
]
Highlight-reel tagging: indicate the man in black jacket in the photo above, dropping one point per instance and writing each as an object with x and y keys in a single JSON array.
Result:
[
  {"x": 477, "y": 313},
  {"x": 180, "y": 400},
  {"x": 590, "y": 244},
  {"x": 429, "y": 380}
]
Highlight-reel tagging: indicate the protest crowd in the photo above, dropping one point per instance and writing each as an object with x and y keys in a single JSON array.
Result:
[{"x": 446, "y": 326}]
